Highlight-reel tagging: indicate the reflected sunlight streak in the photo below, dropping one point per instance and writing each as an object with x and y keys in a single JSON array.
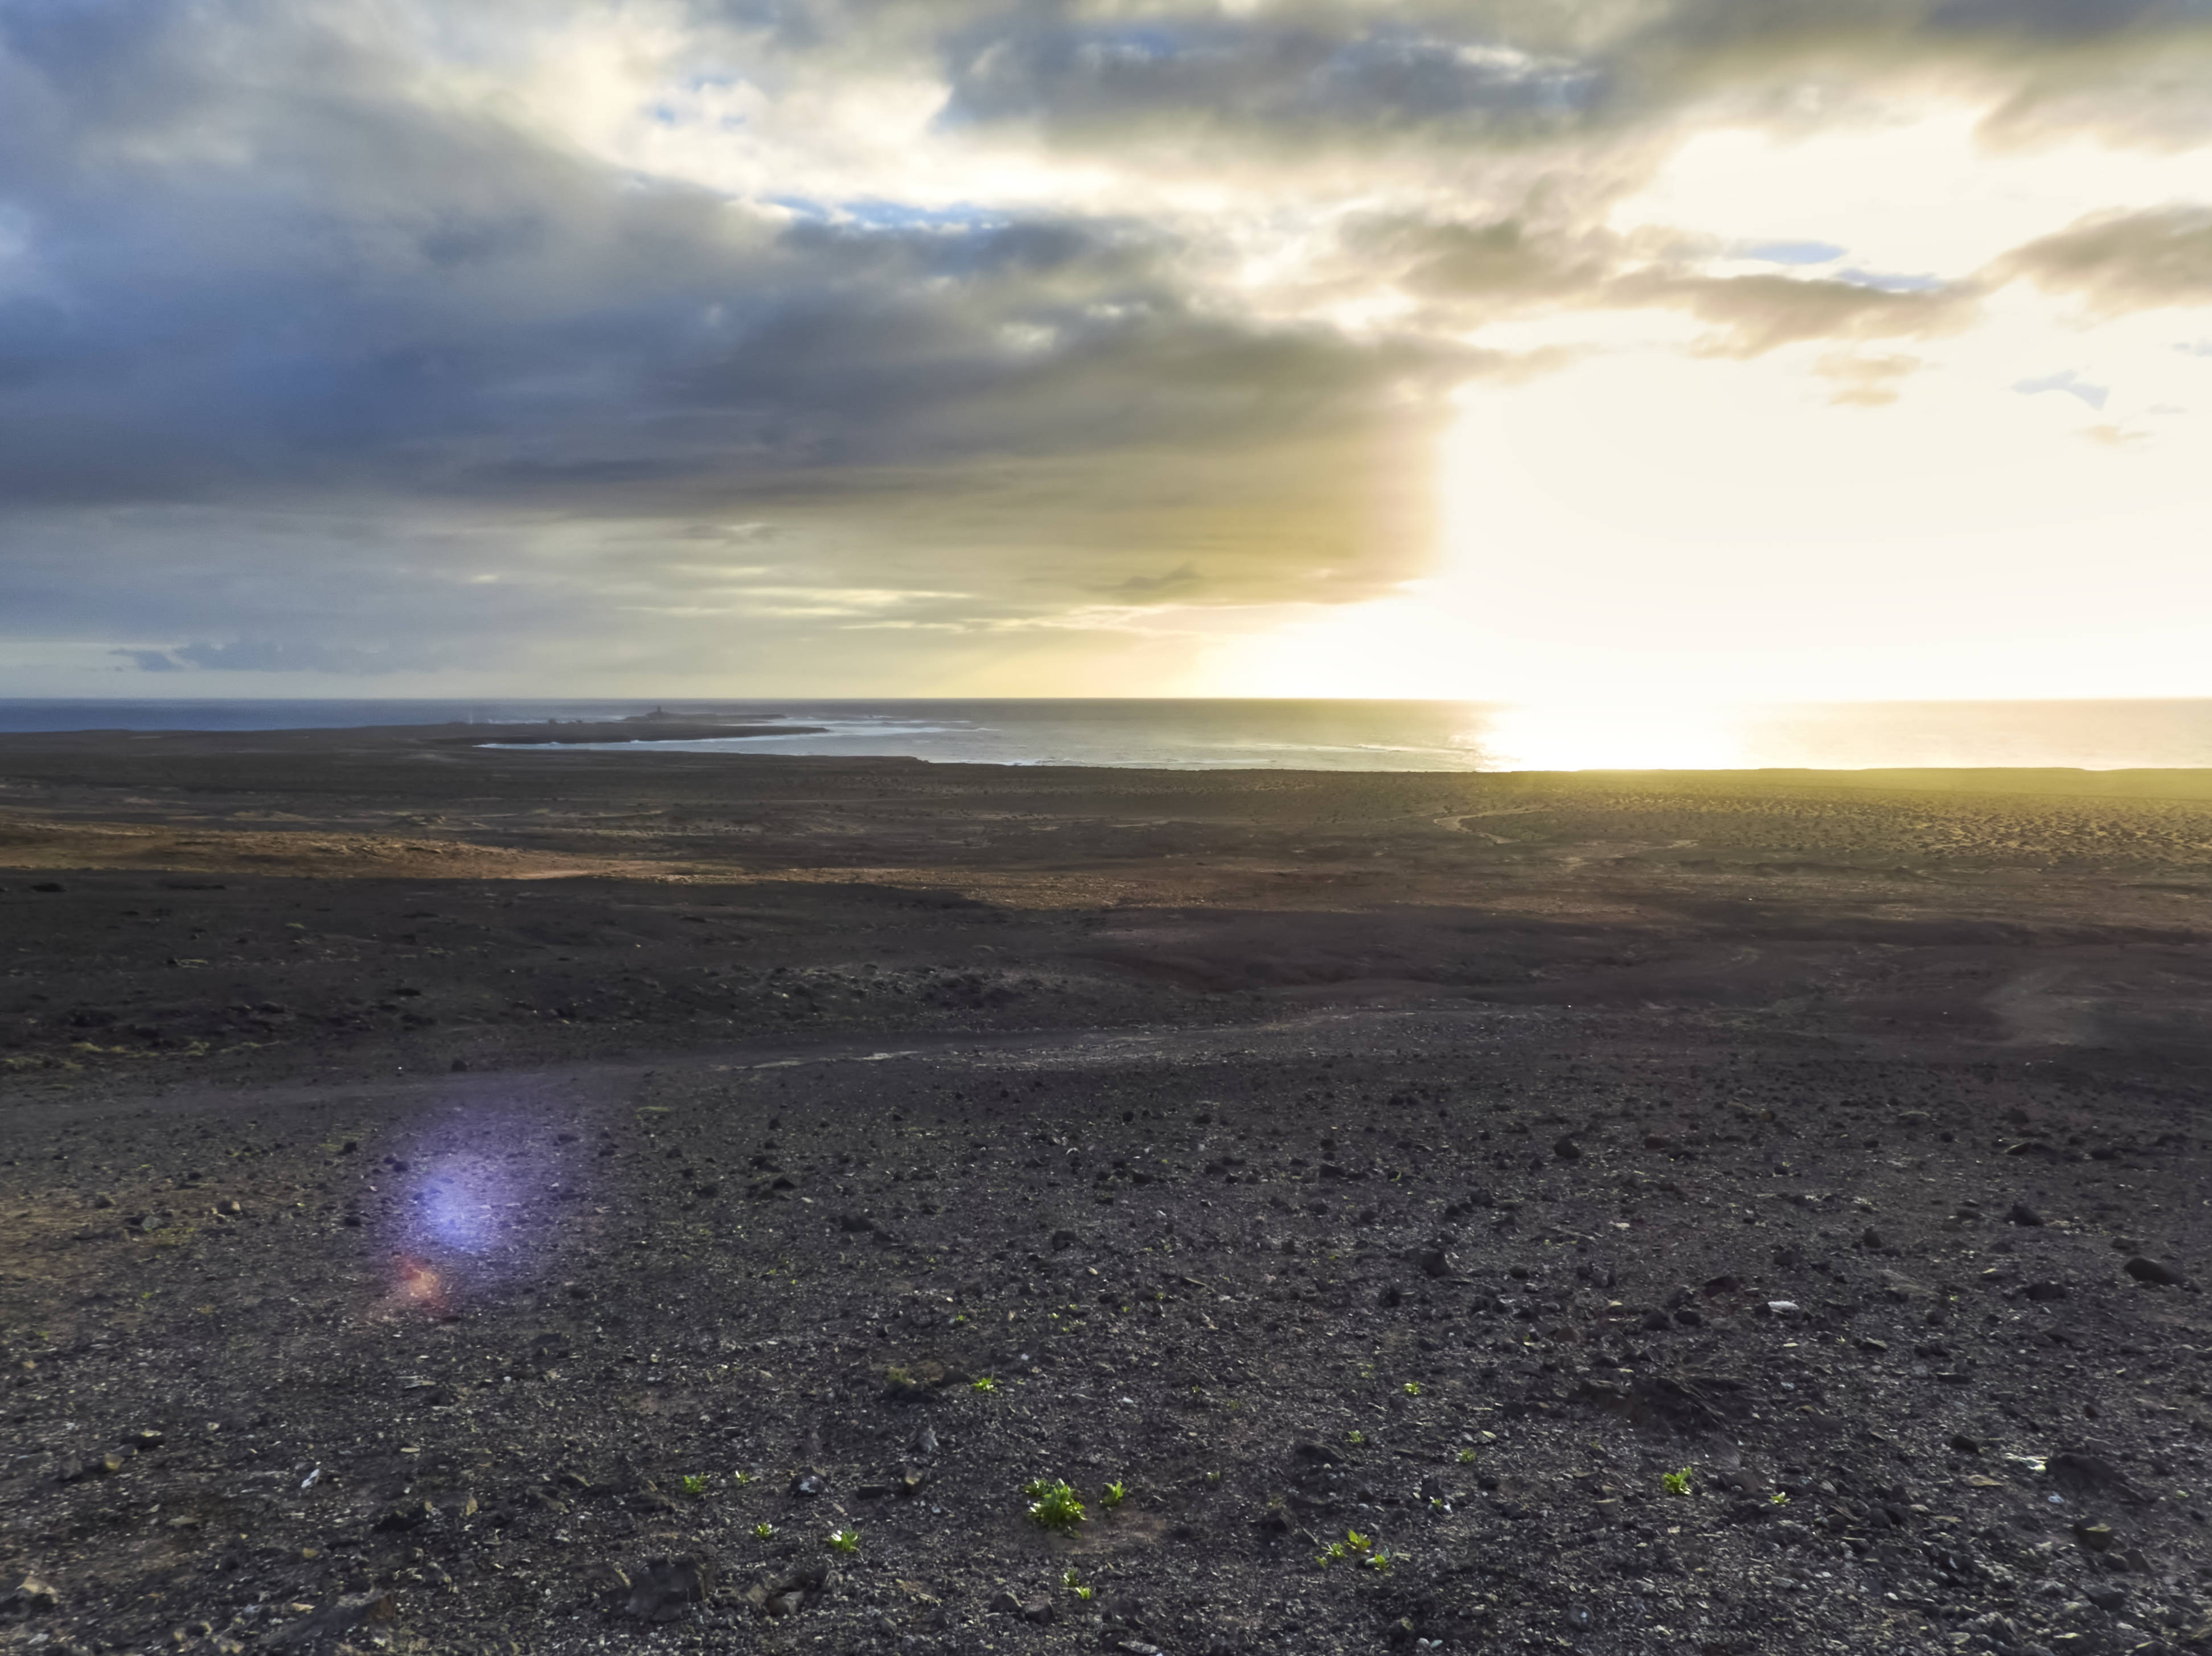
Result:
[{"x": 1607, "y": 736}]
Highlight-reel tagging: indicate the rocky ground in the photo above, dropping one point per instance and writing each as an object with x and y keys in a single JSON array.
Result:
[{"x": 1572, "y": 1239}]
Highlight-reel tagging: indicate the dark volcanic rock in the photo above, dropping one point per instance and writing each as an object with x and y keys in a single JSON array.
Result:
[
  {"x": 667, "y": 1587},
  {"x": 2153, "y": 1272}
]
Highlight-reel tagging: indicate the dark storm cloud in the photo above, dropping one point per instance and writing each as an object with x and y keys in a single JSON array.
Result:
[
  {"x": 1295, "y": 76},
  {"x": 1501, "y": 71},
  {"x": 312, "y": 343},
  {"x": 439, "y": 304}
]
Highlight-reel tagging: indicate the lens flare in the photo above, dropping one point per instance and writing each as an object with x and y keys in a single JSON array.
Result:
[{"x": 474, "y": 1198}]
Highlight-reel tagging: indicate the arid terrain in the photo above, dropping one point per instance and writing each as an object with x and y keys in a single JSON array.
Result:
[{"x": 541, "y": 1201}]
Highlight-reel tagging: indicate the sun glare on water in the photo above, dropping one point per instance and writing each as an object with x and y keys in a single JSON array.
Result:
[{"x": 1572, "y": 736}]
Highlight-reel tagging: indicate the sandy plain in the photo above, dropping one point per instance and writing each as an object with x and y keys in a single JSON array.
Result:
[{"x": 526, "y": 1200}]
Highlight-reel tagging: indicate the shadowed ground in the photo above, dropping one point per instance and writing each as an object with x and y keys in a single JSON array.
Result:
[{"x": 448, "y": 1152}]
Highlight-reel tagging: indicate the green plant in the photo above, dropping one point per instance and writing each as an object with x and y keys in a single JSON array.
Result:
[
  {"x": 1675, "y": 1484},
  {"x": 764, "y": 1530},
  {"x": 1113, "y": 1495},
  {"x": 982, "y": 1383},
  {"x": 844, "y": 1541},
  {"x": 695, "y": 1485},
  {"x": 1780, "y": 1498},
  {"x": 1412, "y": 1388},
  {"x": 1364, "y": 1547},
  {"x": 1068, "y": 1579},
  {"x": 1054, "y": 1503},
  {"x": 741, "y": 1479},
  {"x": 1467, "y": 1457},
  {"x": 1355, "y": 1438}
]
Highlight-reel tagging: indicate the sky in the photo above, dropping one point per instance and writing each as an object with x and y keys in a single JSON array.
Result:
[{"x": 1506, "y": 350}]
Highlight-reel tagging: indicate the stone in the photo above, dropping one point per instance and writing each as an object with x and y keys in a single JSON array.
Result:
[
  {"x": 2081, "y": 1473},
  {"x": 2020, "y": 1214},
  {"x": 29, "y": 1594},
  {"x": 667, "y": 1587},
  {"x": 408, "y": 1514},
  {"x": 92, "y": 1466},
  {"x": 1566, "y": 1149},
  {"x": 2154, "y": 1273},
  {"x": 787, "y": 1594},
  {"x": 2042, "y": 1293},
  {"x": 332, "y": 1621}
]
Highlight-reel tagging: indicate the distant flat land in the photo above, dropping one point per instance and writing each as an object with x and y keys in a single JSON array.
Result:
[{"x": 449, "y": 1150}]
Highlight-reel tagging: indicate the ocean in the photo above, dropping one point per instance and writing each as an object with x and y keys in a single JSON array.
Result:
[{"x": 1299, "y": 736}]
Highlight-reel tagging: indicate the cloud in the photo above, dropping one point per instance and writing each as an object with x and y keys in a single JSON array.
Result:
[
  {"x": 150, "y": 660},
  {"x": 2125, "y": 261},
  {"x": 1183, "y": 578},
  {"x": 550, "y": 330},
  {"x": 264, "y": 656},
  {"x": 1754, "y": 314},
  {"x": 2068, "y": 381}
]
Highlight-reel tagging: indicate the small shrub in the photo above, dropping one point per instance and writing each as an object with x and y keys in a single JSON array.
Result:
[
  {"x": 1467, "y": 1457},
  {"x": 695, "y": 1485},
  {"x": 982, "y": 1383},
  {"x": 1054, "y": 1503},
  {"x": 764, "y": 1530},
  {"x": 844, "y": 1541},
  {"x": 1113, "y": 1495},
  {"x": 1675, "y": 1484}
]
